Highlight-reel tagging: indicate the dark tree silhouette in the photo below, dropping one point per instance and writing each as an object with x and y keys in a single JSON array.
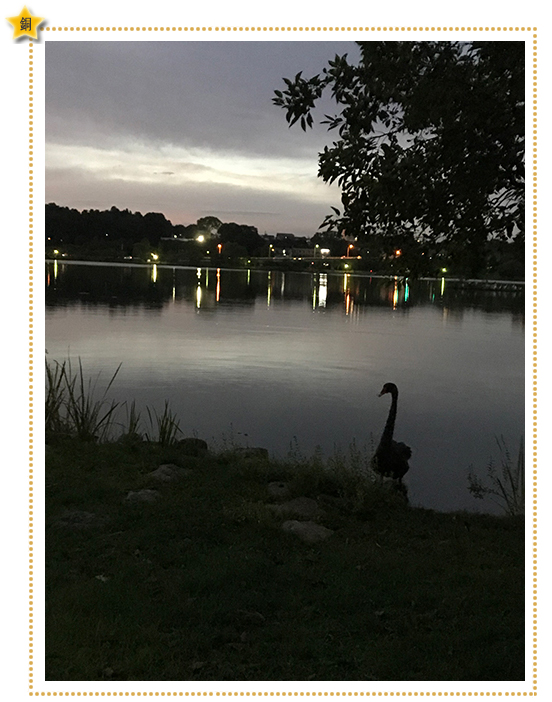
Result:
[
  {"x": 242, "y": 234},
  {"x": 429, "y": 139}
]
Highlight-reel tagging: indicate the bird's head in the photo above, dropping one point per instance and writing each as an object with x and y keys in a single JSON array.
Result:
[{"x": 388, "y": 387}]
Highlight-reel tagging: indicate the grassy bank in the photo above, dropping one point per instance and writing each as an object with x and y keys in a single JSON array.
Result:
[{"x": 203, "y": 583}]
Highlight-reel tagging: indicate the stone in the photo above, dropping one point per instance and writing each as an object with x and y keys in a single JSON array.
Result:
[
  {"x": 55, "y": 437},
  {"x": 309, "y": 532},
  {"x": 332, "y": 502},
  {"x": 130, "y": 439},
  {"x": 300, "y": 507},
  {"x": 135, "y": 497},
  {"x": 278, "y": 489},
  {"x": 169, "y": 473},
  {"x": 250, "y": 617},
  {"x": 252, "y": 452},
  {"x": 191, "y": 446},
  {"x": 79, "y": 519}
]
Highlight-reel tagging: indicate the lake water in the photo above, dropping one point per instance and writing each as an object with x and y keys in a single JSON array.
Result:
[{"x": 269, "y": 356}]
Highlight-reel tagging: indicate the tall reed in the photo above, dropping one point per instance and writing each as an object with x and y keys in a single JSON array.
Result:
[
  {"x": 55, "y": 397},
  {"x": 505, "y": 484},
  {"x": 133, "y": 417},
  {"x": 165, "y": 427},
  {"x": 90, "y": 418},
  {"x": 71, "y": 406}
]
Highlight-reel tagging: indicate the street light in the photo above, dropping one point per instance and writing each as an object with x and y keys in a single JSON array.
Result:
[{"x": 219, "y": 246}]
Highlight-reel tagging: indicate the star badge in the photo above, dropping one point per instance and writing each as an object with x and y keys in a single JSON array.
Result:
[{"x": 25, "y": 24}]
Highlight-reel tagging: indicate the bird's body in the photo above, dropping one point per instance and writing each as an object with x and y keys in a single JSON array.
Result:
[{"x": 391, "y": 457}]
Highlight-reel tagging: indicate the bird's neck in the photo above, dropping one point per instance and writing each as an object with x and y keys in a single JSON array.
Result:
[{"x": 390, "y": 424}]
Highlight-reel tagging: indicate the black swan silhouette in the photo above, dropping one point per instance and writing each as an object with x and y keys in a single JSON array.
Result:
[{"x": 391, "y": 457}]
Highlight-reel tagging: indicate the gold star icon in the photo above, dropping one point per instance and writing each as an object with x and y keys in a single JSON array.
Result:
[{"x": 25, "y": 24}]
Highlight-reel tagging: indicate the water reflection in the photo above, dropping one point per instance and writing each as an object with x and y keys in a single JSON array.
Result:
[
  {"x": 154, "y": 286},
  {"x": 322, "y": 289},
  {"x": 395, "y": 293},
  {"x": 280, "y": 355},
  {"x": 319, "y": 290}
]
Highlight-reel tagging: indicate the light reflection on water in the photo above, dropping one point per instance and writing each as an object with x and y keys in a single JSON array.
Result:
[{"x": 278, "y": 355}]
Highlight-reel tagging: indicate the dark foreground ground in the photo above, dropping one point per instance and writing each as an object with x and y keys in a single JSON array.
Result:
[{"x": 203, "y": 583}]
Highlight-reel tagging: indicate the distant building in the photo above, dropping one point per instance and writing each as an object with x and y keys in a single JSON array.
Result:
[
  {"x": 299, "y": 252},
  {"x": 304, "y": 253},
  {"x": 176, "y": 238}
]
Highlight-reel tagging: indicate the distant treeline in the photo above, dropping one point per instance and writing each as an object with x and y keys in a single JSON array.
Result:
[
  {"x": 69, "y": 226},
  {"x": 117, "y": 235}
]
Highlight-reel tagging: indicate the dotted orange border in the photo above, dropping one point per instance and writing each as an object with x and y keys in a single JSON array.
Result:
[
  {"x": 31, "y": 357},
  {"x": 534, "y": 375},
  {"x": 289, "y": 29},
  {"x": 534, "y": 327},
  {"x": 284, "y": 694}
]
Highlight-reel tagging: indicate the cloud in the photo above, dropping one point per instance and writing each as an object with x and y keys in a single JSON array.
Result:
[
  {"x": 141, "y": 163},
  {"x": 270, "y": 210},
  {"x": 216, "y": 94},
  {"x": 188, "y": 116}
]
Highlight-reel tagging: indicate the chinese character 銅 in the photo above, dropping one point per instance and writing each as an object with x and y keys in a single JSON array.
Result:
[{"x": 25, "y": 24}]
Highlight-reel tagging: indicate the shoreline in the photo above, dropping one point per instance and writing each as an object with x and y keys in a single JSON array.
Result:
[{"x": 516, "y": 284}]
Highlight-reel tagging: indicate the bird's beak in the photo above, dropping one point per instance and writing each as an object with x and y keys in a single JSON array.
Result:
[{"x": 381, "y": 393}]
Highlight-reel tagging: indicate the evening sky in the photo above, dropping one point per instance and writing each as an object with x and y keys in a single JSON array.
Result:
[{"x": 186, "y": 128}]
